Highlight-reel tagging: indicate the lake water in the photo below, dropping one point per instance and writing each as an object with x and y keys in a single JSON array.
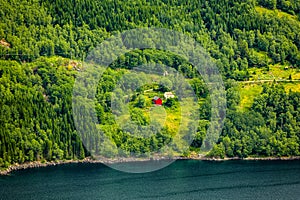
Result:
[{"x": 184, "y": 179}]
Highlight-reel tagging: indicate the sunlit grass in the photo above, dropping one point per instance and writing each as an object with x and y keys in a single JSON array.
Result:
[
  {"x": 294, "y": 87},
  {"x": 275, "y": 12},
  {"x": 158, "y": 114},
  {"x": 277, "y": 72},
  {"x": 167, "y": 117},
  {"x": 248, "y": 93}
]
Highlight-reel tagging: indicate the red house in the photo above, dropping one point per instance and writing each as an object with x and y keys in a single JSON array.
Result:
[{"x": 157, "y": 101}]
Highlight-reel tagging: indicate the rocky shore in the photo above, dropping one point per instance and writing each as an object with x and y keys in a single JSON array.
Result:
[{"x": 37, "y": 164}]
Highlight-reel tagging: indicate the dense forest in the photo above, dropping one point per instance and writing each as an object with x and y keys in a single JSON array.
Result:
[{"x": 43, "y": 45}]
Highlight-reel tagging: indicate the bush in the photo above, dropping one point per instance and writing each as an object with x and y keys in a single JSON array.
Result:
[
  {"x": 170, "y": 102},
  {"x": 218, "y": 151}
]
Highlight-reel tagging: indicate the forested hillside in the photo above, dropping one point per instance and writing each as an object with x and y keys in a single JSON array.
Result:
[{"x": 43, "y": 44}]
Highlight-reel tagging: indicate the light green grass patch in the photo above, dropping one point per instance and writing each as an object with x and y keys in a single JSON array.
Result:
[
  {"x": 277, "y": 72},
  {"x": 294, "y": 87},
  {"x": 275, "y": 12},
  {"x": 158, "y": 114},
  {"x": 248, "y": 92}
]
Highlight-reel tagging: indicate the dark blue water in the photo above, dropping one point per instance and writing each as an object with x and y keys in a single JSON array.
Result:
[{"x": 182, "y": 180}]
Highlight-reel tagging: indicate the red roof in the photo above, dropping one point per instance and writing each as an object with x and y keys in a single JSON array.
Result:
[{"x": 157, "y": 101}]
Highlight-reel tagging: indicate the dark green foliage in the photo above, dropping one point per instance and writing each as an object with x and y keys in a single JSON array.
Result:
[
  {"x": 36, "y": 116},
  {"x": 36, "y": 120},
  {"x": 171, "y": 102},
  {"x": 271, "y": 4},
  {"x": 290, "y": 6},
  {"x": 228, "y": 30},
  {"x": 271, "y": 128}
]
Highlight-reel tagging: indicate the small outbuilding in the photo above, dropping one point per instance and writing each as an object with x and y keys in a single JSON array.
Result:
[
  {"x": 168, "y": 95},
  {"x": 157, "y": 101}
]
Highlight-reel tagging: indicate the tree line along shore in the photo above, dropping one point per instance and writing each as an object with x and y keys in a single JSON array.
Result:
[{"x": 43, "y": 46}]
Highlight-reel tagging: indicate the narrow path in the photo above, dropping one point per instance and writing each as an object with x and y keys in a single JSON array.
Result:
[
  {"x": 148, "y": 90},
  {"x": 264, "y": 81}
]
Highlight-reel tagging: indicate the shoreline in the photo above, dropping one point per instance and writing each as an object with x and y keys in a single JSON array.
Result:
[{"x": 39, "y": 164}]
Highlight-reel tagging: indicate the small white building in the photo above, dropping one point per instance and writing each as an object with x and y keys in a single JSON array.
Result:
[{"x": 168, "y": 95}]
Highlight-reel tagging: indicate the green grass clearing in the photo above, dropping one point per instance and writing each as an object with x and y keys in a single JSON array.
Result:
[
  {"x": 248, "y": 93},
  {"x": 277, "y": 72},
  {"x": 294, "y": 87},
  {"x": 276, "y": 12}
]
